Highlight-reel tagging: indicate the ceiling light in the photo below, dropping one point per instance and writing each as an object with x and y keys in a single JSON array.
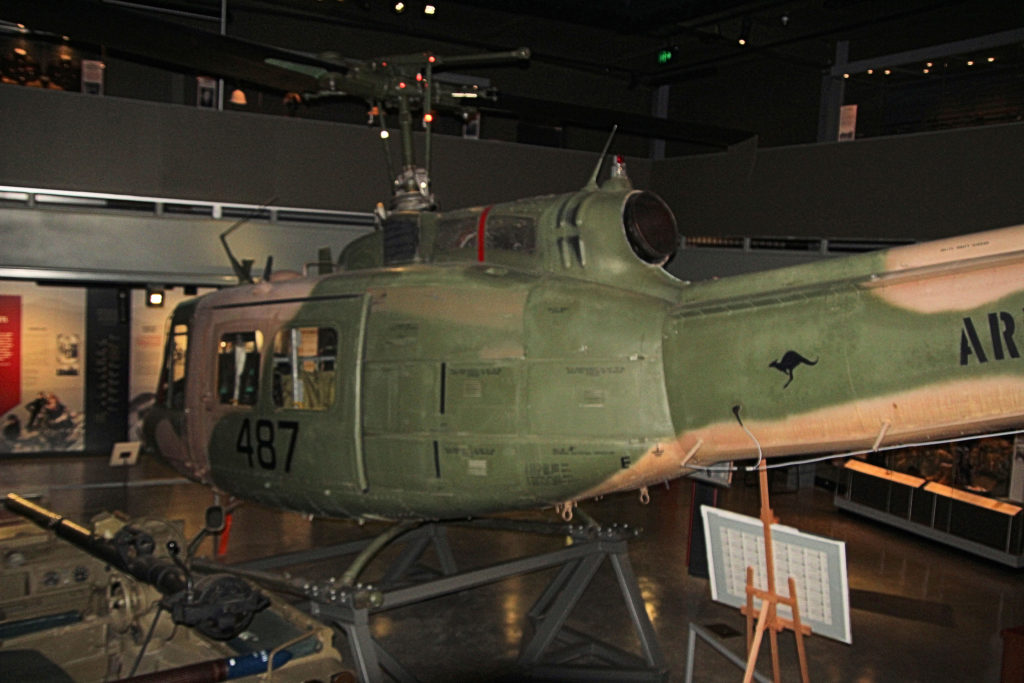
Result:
[
  {"x": 398, "y": 7},
  {"x": 429, "y": 9},
  {"x": 238, "y": 97},
  {"x": 745, "y": 31},
  {"x": 154, "y": 296}
]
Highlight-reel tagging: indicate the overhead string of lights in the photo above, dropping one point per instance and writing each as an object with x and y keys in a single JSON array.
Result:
[{"x": 931, "y": 67}]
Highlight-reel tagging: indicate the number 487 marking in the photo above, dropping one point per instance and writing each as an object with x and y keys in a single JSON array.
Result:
[{"x": 264, "y": 446}]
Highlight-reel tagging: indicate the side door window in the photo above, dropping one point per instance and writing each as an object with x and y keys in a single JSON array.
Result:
[
  {"x": 171, "y": 391},
  {"x": 238, "y": 367},
  {"x": 305, "y": 359}
]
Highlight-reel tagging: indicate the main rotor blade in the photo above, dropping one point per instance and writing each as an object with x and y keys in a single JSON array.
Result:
[{"x": 538, "y": 110}]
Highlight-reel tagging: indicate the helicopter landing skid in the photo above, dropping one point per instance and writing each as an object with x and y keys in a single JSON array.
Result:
[{"x": 550, "y": 649}]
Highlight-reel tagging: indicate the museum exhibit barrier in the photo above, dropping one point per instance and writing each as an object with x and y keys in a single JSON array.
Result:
[{"x": 974, "y": 523}]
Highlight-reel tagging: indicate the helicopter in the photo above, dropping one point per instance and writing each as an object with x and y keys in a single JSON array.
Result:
[{"x": 536, "y": 353}]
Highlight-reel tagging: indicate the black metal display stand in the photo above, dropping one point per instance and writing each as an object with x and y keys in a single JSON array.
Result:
[{"x": 550, "y": 649}]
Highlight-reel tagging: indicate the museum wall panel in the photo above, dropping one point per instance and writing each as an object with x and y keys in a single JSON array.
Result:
[
  {"x": 58, "y": 140},
  {"x": 919, "y": 187},
  {"x": 916, "y": 186}
]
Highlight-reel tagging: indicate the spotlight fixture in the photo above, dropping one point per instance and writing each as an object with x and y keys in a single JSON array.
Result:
[
  {"x": 154, "y": 296},
  {"x": 745, "y": 31}
]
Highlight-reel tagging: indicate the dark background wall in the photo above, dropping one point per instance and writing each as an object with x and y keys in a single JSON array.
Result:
[
  {"x": 916, "y": 186},
  {"x": 908, "y": 187},
  {"x": 71, "y": 141}
]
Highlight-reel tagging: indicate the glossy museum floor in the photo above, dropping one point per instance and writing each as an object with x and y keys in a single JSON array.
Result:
[{"x": 920, "y": 611}]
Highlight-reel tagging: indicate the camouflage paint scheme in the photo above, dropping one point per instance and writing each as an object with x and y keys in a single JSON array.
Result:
[{"x": 477, "y": 378}]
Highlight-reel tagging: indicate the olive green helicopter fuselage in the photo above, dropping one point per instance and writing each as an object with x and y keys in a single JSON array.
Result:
[{"x": 536, "y": 353}]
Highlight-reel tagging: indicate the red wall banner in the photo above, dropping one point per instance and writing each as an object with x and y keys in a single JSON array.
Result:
[{"x": 10, "y": 352}]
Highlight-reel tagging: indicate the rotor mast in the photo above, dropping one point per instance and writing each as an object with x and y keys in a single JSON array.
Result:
[{"x": 406, "y": 83}]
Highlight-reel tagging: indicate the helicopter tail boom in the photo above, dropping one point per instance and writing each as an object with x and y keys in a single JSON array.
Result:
[{"x": 912, "y": 344}]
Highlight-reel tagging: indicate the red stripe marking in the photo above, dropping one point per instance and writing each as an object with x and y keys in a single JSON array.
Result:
[
  {"x": 480, "y": 229},
  {"x": 222, "y": 546}
]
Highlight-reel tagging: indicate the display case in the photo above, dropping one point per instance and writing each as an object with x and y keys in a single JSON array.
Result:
[{"x": 973, "y": 520}]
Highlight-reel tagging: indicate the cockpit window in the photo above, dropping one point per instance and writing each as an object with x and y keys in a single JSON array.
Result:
[
  {"x": 457, "y": 232},
  {"x": 238, "y": 367},
  {"x": 501, "y": 232},
  {"x": 511, "y": 233},
  {"x": 304, "y": 365},
  {"x": 650, "y": 227}
]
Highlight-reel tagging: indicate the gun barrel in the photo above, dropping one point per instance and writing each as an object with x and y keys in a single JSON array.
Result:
[
  {"x": 64, "y": 528},
  {"x": 161, "y": 573}
]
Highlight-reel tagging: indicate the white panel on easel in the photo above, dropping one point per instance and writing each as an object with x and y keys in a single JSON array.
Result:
[{"x": 816, "y": 564}]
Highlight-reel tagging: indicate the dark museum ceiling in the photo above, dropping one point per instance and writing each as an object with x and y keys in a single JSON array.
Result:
[
  {"x": 604, "y": 55},
  {"x": 622, "y": 38}
]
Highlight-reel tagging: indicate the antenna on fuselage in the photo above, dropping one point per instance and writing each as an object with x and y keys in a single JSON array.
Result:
[
  {"x": 592, "y": 183},
  {"x": 243, "y": 269}
]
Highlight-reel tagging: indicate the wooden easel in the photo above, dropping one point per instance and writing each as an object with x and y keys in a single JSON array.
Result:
[{"x": 768, "y": 618}]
